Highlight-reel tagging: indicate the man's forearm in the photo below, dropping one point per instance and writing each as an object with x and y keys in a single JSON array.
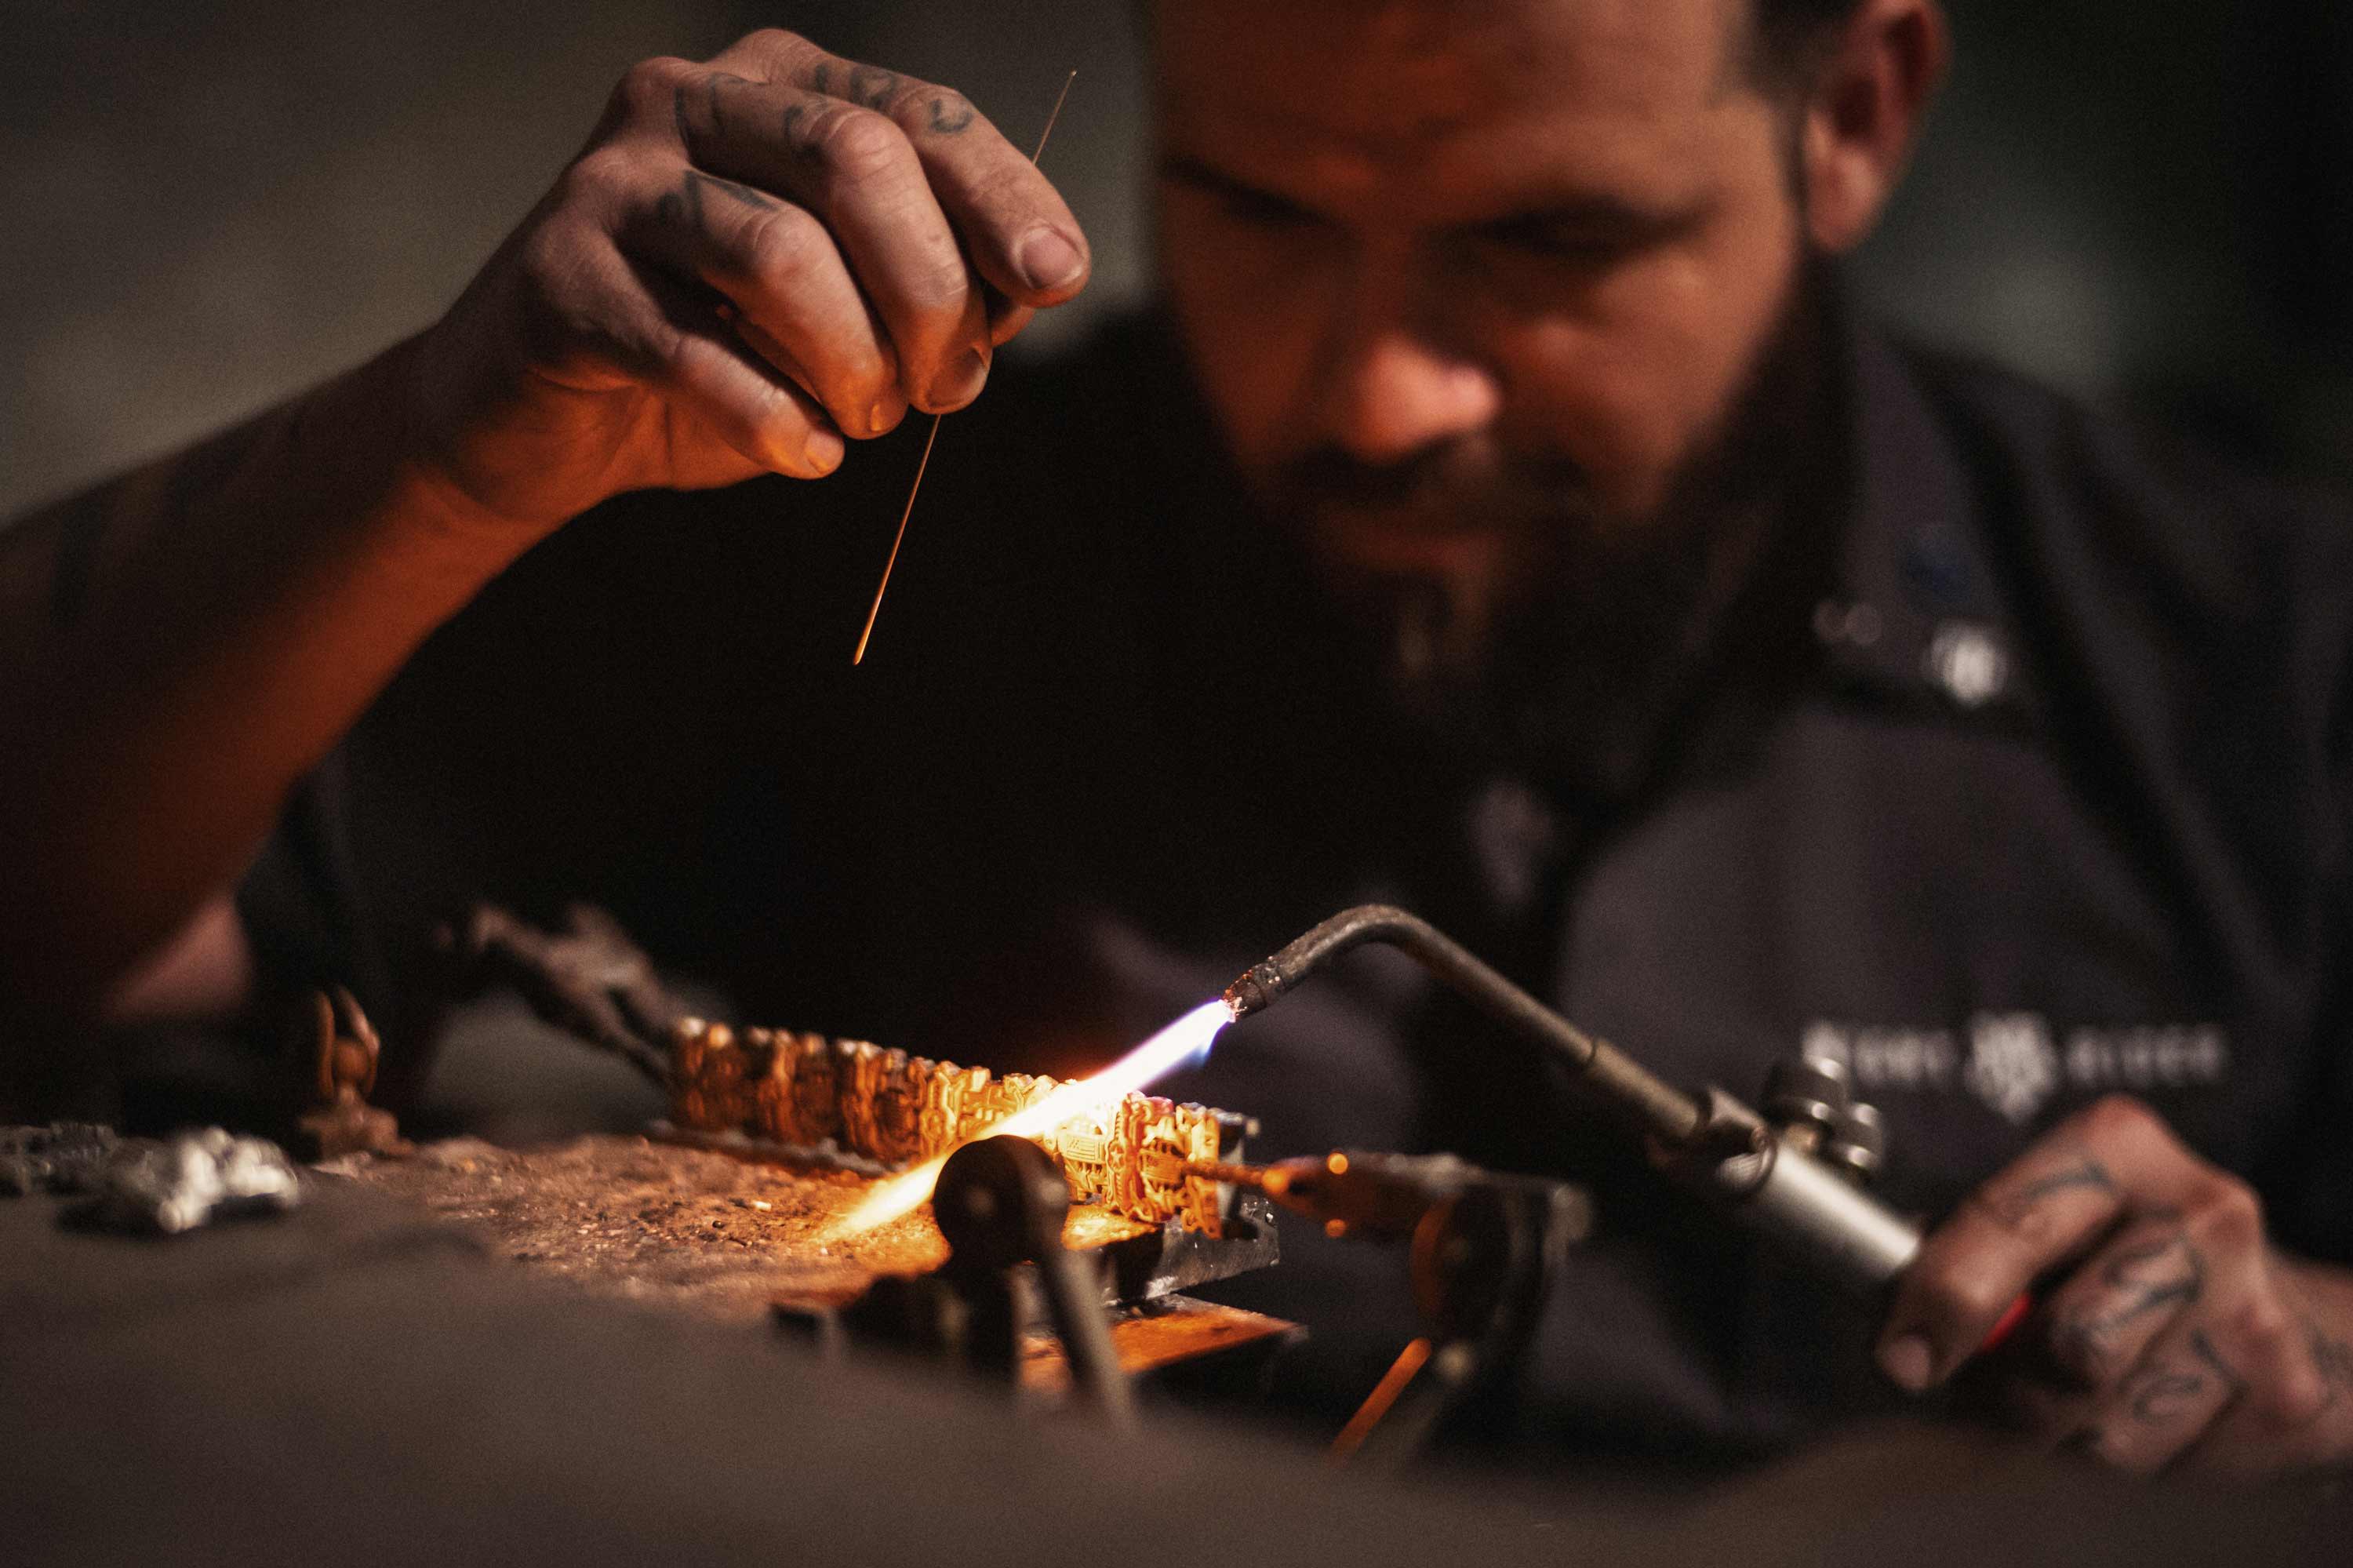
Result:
[
  {"x": 180, "y": 646},
  {"x": 176, "y": 649}
]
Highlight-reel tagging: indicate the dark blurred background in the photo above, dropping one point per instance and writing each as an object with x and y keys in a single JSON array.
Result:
[{"x": 207, "y": 205}]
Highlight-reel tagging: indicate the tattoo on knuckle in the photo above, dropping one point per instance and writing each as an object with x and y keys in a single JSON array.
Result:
[
  {"x": 2135, "y": 1282},
  {"x": 687, "y": 207},
  {"x": 2202, "y": 1347},
  {"x": 951, "y": 114},
  {"x": 2159, "y": 1271},
  {"x": 712, "y": 84},
  {"x": 734, "y": 191},
  {"x": 872, "y": 86},
  {"x": 2333, "y": 1358},
  {"x": 2163, "y": 1394},
  {"x": 2015, "y": 1206},
  {"x": 798, "y": 135}
]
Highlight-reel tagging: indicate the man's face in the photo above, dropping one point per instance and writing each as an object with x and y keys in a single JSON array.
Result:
[{"x": 1461, "y": 277}]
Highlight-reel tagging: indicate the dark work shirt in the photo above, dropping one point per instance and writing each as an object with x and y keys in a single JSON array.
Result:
[{"x": 2015, "y": 777}]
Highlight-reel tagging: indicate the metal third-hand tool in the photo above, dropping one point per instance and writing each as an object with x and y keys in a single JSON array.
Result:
[{"x": 1481, "y": 1252}]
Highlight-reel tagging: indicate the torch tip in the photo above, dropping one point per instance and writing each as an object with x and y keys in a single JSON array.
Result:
[{"x": 1251, "y": 993}]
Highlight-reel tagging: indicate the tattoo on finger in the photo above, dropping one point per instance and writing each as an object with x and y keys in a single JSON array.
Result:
[
  {"x": 2162, "y": 1392},
  {"x": 872, "y": 87},
  {"x": 2085, "y": 1174},
  {"x": 2163, "y": 1272},
  {"x": 2155, "y": 1396},
  {"x": 717, "y": 79},
  {"x": 2333, "y": 1357},
  {"x": 2204, "y": 1348},
  {"x": 952, "y": 115},
  {"x": 684, "y": 205}
]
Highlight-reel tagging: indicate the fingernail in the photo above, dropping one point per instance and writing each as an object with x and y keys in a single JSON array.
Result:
[
  {"x": 1909, "y": 1363},
  {"x": 878, "y": 418},
  {"x": 961, "y": 383},
  {"x": 1048, "y": 261},
  {"x": 825, "y": 451}
]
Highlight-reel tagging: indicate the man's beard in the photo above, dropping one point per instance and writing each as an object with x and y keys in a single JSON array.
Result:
[{"x": 1574, "y": 584}]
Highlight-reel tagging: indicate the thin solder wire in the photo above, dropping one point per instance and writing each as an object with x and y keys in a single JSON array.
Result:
[{"x": 875, "y": 611}]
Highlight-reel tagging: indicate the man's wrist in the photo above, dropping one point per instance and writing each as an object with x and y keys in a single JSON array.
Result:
[{"x": 424, "y": 492}]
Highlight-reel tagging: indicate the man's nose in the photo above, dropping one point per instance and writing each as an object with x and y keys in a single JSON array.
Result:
[{"x": 1392, "y": 393}]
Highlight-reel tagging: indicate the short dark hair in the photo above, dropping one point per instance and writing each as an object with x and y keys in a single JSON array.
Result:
[{"x": 1790, "y": 38}]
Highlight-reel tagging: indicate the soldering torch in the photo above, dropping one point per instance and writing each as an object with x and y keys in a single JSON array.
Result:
[{"x": 1707, "y": 1140}]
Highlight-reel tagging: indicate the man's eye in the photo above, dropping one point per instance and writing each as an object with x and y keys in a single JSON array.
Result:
[
  {"x": 1264, "y": 211},
  {"x": 1580, "y": 244}
]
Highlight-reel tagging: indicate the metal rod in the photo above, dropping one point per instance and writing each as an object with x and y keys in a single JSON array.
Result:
[{"x": 874, "y": 612}]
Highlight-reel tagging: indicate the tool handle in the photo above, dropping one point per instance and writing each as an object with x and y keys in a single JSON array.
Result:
[{"x": 2017, "y": 1313}]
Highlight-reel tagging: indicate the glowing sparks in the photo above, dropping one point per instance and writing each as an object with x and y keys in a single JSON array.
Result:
[{"x": 1183, "y": 1043}]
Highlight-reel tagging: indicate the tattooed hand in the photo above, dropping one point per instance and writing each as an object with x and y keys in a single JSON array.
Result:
[
  {"x": 752, "y": 259},
  {"x": 2166, "y": 1329}
]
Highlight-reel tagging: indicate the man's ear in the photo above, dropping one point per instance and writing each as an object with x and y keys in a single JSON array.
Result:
[{"x": 1861, "y": 112}]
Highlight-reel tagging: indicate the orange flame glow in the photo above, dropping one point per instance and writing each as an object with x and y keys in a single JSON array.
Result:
[{"x": 1181, "y": 1043}]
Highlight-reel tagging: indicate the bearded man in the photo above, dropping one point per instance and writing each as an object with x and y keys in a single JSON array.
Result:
[{"x": 1505, "y": 515}]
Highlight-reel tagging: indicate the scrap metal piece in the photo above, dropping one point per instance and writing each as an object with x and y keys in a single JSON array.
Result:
[
  {"x": 194, "y": 1178},
  {"x": 63, "y": 1157}
]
